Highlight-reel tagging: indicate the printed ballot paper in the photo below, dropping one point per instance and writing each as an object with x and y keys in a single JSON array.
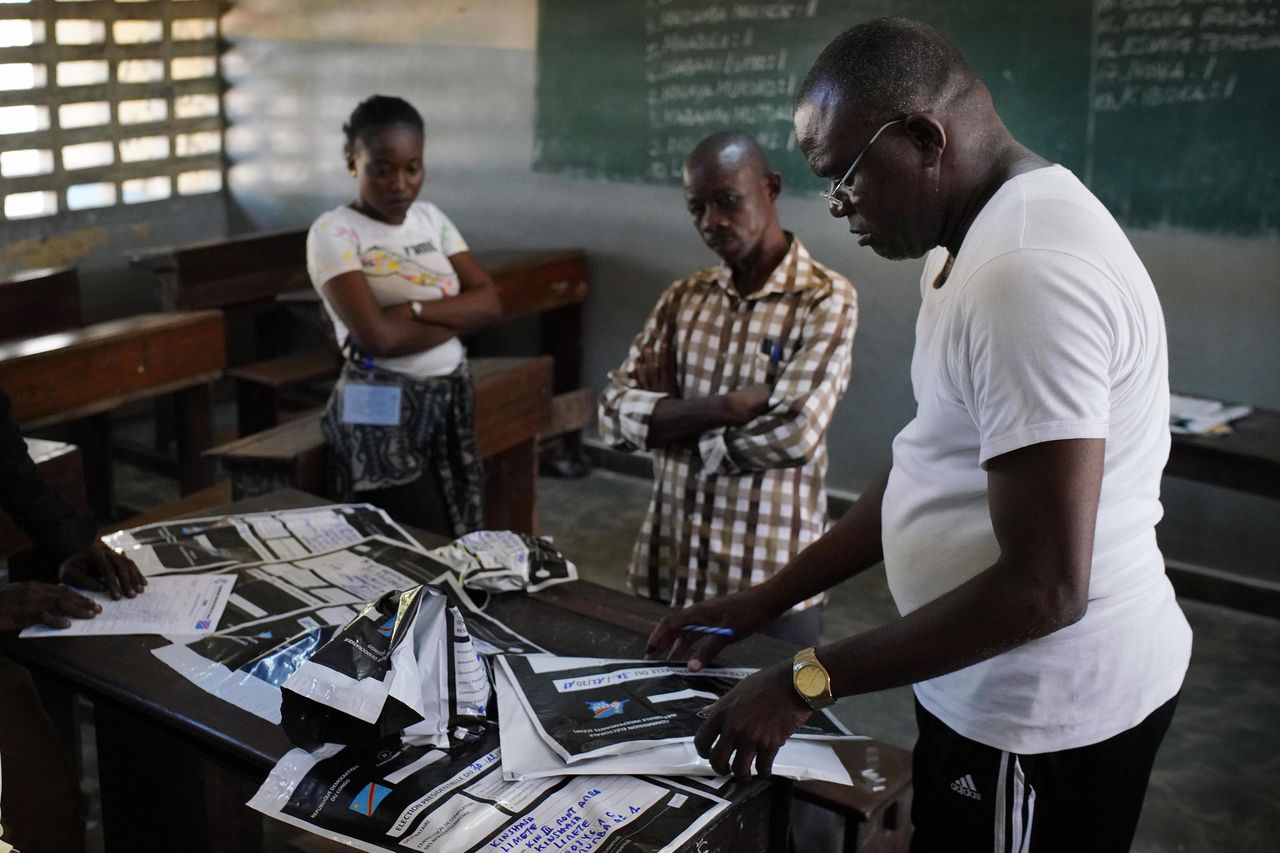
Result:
[
  {"x": 582, "y": 715},
  {"x": 280, "y": 613},
  {"x": 394, "y": 796},
  {"x": 175, "y": 605},
  {"x": 219, "y": 542}
]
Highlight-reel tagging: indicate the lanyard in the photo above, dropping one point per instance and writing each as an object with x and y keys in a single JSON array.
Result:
[{"x": 357, "y": 355}]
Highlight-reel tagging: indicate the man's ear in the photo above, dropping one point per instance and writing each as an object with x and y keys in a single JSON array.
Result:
[
  {"x": 928, "y": 136},
  {"x": 773, "y": 181},
  {"x": 351, "y": 164}
]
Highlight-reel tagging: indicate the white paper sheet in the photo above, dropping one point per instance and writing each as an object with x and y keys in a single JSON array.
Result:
[
  {"x": 186, "y": 604},
  {"x": 526, "y": 754}
]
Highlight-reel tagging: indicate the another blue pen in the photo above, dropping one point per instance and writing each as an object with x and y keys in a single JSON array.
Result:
[
  {"x": 707, "y": 629},
  {"x": 775, "y": 354}
]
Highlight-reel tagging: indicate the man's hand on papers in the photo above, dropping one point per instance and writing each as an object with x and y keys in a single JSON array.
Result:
[
  {"x": 751, "y": 722},
  {"x": 25, "y": 604},
  {"x": 674, "y": 638},
  {"x": 99, "y": 568}
]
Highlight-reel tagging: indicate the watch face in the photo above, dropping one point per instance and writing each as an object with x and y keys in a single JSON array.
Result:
[{"x": 810, "y": 681}]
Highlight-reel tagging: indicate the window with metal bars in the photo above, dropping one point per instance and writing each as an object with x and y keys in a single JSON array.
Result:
[{"x": 107, "y": 102}]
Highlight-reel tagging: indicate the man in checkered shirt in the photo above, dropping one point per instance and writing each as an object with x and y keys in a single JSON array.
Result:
[{"x": 732, "y": 383}]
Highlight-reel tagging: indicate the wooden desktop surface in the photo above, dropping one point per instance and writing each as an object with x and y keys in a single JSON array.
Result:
[{"x": 1247, "y": 459}]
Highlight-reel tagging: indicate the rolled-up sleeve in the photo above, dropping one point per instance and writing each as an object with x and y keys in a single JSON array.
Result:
[
  {"x": 625, "y": 410},
  {"x": 804, "y": 396}
]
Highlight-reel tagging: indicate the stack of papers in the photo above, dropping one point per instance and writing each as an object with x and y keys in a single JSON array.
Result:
[
  {"x": 564, "y": 716},
  {"x": 1198, "y": 416},
  {"x": 414, "y": 797}
]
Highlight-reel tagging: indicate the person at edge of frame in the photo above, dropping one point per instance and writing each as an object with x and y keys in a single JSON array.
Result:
[{"x": 40, "y": 806}]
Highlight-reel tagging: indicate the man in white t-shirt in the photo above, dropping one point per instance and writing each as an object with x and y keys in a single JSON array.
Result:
[{"x": 1017, "y": 522}]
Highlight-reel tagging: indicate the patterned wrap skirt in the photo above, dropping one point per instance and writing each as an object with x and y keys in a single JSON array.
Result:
[{"x": 437, "y": 429}]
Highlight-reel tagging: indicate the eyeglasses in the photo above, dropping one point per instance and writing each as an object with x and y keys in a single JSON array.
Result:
[{"x": 832, "y": 195}]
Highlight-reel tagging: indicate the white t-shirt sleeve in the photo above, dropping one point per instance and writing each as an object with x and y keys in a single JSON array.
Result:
[
  {"x": 1034, "y": 362},
  {"x": 449, "y": 238},
  {"x": 333, "y": 248}
]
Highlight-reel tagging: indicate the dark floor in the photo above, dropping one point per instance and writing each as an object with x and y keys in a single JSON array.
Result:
[{"x": 1216, "y": 784}]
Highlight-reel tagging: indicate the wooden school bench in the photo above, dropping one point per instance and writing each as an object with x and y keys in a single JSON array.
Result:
[
  {"x": 36, "y": 302},
  {"x": 513, "y": 397},
  {"x": 250, "y": 275},
  {"x": 80, "y": 376}
]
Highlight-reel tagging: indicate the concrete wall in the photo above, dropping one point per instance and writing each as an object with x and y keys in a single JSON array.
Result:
[{"x": 295, "y": 78}]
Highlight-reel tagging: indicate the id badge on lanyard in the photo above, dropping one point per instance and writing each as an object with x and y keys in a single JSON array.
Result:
[{"x": 369, "y": 403}]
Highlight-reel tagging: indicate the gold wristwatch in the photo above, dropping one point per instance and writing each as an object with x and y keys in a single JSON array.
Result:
[{"x": 811, "y": 680}]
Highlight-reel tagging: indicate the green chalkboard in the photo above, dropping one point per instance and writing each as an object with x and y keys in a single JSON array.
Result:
[{"x": 1166, "y": 108}]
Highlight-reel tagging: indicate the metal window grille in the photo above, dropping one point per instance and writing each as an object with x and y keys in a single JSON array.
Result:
[{"x": 106, "y": 102}]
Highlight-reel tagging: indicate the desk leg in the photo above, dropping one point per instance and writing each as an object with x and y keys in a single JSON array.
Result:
[
  {"x": 93, "y": 436},
  {"x": 511, "y": 489},
  {"x": 194, "y": 410},
  {"x": 161, "y": 793}
]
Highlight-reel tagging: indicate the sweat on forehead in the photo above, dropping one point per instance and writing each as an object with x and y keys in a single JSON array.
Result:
[{"x": 729, "y": 149}]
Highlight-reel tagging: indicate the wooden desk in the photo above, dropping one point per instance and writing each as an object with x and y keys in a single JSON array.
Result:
[
  {"x": 36, "y": 302},
  {"x": 175, "y": 763},
  {"x": 1247, "y": 459},
  {"x": 79, "y": 376}
]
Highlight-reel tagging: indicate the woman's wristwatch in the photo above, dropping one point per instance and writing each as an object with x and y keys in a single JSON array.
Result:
[{"x": 811, "y": 680}]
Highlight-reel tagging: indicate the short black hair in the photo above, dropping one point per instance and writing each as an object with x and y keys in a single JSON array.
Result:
[
  {"x": 896, "y": 65},
  {"x": 375, "y": 113}
]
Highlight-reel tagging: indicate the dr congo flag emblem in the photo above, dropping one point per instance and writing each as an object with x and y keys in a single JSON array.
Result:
[
  {"x": 369, "y": 797},
  {"x": 600, "y": 710},
  {"x": 388, "y": 627}
]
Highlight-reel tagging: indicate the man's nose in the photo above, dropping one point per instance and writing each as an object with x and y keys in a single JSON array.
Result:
[
  {"x": 713, "y": 219},
  {"x": 839, "y": 205}
]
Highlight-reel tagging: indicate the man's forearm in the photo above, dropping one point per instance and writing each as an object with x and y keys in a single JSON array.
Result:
[
  {"x": 676, "y": 420},
  {"x": 997, "y": 610},
  {"x": 851, "y": 546}
]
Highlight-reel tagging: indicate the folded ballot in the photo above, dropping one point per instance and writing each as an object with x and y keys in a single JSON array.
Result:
[
  {"x": 567, "y": 716},
  {"x": 503, "y": 561},
  {"x": 406, "y": 664}
]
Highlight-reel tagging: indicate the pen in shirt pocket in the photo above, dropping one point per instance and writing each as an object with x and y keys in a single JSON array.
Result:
[{"x": 773, "y": 348}]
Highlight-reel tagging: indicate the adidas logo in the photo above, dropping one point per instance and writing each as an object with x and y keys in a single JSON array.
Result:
[{"x": 965, "y": 787}]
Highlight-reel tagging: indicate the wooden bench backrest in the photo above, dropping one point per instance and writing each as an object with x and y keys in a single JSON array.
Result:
[
  {"x": 236, "y": 271},
  {"x": 37, "y": 302},
  {"x": 240, "y": 270}
]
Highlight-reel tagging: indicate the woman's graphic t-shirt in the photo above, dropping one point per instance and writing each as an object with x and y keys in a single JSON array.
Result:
[{"x": 402, "y": 263}]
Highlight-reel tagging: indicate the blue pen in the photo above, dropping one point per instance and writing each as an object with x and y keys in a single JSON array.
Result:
[
  {"x": 775, "y": 354},
  {"x": 708, "y": 629}
]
